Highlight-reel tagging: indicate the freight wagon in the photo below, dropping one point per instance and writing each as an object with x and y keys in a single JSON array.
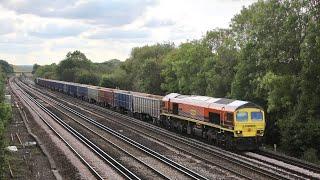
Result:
[
  {"x": 146, "y": 106},
  {"x": 123, "y": 100},
  {"x": 72, "y": 89},
  {"x": 59, "y": 86},
  {"x": 93, "y": 94},
  {"x": 106, "y": 97},
  {"x": 82, "y": 91}
]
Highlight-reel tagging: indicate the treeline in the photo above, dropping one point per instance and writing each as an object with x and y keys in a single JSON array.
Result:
[
  {"x": 77, "y": 68},
  {"x": 270, "y": 55},
  {"x": 5, "y": 111}
]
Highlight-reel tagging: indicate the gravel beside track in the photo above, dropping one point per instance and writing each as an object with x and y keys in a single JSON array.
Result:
[{"x": 30, "y": 161}]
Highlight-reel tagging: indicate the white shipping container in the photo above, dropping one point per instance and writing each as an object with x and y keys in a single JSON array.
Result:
[
  {"x": 93, "y": 92},
  {"x": 147, "y": 104}
]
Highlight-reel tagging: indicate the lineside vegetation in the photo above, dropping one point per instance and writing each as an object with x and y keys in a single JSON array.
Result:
[{"x": 5, "y": 113}]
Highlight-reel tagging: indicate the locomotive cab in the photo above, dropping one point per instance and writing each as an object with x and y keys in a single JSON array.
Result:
[{"x": 249, "y": 122}]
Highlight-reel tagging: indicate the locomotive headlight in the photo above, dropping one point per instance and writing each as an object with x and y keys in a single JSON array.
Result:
[
  {"x": 260, "y": 132},
  {"x": 239, "y": 132}
]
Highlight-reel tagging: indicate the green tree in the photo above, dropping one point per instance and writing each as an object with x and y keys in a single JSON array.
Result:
[
  {"x": 5, "y": 112},
  {"x": 117, "y": 79},
  {"x": 47, "y": 71},
  {"x": 219, "y": 68},
  {"x": 107, "y": 67},
  {"x": 183, "y": 71},
  {"x": 34, "y": 68},
  {"x": 68, "y": 68},
  {"x": 269, "y": 35},
  {"x": 6, "y": 67},
  {"x": 144, "y": 65},
  {"x": 306, "y": 138},
  {"x": 86, "y": 77}
]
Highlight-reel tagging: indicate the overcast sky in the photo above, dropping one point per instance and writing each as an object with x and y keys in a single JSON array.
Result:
[{"x": 43, "y": 32}]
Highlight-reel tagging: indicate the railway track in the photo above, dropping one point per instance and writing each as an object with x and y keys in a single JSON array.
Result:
[
  {"x": 183, "y": 170},
  {"x": 112, "y": 162},
  {"x": 26, "y": 99},
  {"x": 212, "y": 150},
  {"x": 301, "y": 169},
  {"x": 291, "y": 160}
]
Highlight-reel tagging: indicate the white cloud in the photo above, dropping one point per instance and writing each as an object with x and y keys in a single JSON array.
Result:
[
  {"x": 53, "y": 30},
  {"x": 37, "y": 31},
  {"x": 108, "y": 12},
  {"x": 120, "y": 34},
  {"x": 159, "y": 23}
]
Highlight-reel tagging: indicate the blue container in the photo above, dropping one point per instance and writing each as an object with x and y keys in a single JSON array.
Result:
[
  {"x": 50, "y": 83},
  {"x": 72, "y": 90},
  {"x": 123, "y": 100},
  {"x": 66, "y": 88},
  {"x": 54, "y": 85},
  {"x": 60, "y": 86},
  {"x": 82, "y": 91}
]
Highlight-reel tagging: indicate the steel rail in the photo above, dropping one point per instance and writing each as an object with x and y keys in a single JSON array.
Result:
[
  {"x": 147, "y": 150},
  {"x": 91, "y": 168},
  {"x": 106, "y": 157}
]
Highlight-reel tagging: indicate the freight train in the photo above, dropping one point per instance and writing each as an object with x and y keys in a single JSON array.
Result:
[{"x": 233, "y": 124}]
